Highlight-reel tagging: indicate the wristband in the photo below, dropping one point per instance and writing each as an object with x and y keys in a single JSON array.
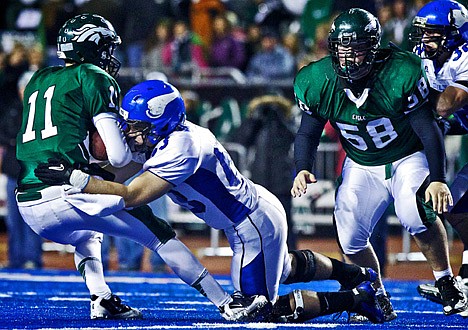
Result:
[{"x": 79, "y": 179}]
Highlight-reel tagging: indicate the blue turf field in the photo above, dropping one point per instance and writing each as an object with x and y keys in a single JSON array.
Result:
[{"x": 59, "y": 300}]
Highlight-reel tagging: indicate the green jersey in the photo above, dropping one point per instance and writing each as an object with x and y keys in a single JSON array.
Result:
[
  {"x": 58, "y": 107},
  {"x": 374, "y": 128}
]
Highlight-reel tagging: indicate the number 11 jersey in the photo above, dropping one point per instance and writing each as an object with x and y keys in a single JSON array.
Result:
[{"x": 58, "y": 106}]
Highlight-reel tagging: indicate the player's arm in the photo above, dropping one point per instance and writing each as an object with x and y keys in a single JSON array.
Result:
[
  {"x": 305, "y": 150},
  {"x": 122, "y": 174},
  {"x": 118, "y": 152},
  {"x": 425, "y": 126},
  {"x": 452, "y": 98},
  {"x": 142, "y": 190}
]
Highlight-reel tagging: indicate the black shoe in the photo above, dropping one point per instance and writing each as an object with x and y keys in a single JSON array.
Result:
[
  {"x": 112, "y": 308},
  {"x": 243, "y": 308},
  {"x": 454, "y": 300},
  {"x": 365, "y": 275},
  {"x": 387, "y": 307}
]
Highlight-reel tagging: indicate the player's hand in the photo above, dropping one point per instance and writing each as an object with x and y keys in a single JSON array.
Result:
[
  {"x": 440, "y": 195},
  {"x": 302, "y": 179},
  {"x": 56, "y": 171}
]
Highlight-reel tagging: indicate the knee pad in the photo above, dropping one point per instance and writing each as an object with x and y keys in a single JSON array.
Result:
[{"x": 305, "y": 267}]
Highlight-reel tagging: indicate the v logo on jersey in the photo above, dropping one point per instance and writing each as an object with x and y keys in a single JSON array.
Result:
[
  {"x": 90, "y": 32},
  {"x": 359, "y": 101}
]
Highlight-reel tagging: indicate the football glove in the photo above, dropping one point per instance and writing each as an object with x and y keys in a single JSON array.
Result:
[{"x": 57, "y": 171}]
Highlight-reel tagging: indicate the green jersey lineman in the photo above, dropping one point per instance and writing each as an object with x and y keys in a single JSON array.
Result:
[
  {"x": 373, "y": 128},
  {"x": 377, "y": 99},
  {"x": 71, "y": 96}
]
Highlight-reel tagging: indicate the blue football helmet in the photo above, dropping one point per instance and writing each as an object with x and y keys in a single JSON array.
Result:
[
  {"x": 154, "y": 108},
  {"x": 445, "y": 17}
]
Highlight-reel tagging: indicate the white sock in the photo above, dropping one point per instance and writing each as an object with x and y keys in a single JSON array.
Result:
[
  {"x": 191, "y": 271},
  {"x": 440, "y": 274},
  {"x": 88, "y": 263}
]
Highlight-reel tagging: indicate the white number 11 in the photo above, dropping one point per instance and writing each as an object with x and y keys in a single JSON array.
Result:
[{"x": 49, "y": 129}]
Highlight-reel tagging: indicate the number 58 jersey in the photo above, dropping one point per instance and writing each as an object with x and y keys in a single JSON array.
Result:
[
  {"x": 206, "y": 181},
  {"x": 58, "y": 107},
  {"x": 373, "y": 125}
]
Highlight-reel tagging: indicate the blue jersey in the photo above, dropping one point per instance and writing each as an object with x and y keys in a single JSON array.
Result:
[
  {"x": 453, "y": 71},
  {"x": 205, "y": 179}
]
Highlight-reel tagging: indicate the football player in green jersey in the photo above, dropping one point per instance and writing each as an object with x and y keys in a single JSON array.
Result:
[
  {"x": 377, "y": 100},
  {"x": 61, "y": 105}
]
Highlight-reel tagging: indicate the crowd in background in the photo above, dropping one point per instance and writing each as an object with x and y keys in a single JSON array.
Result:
[{"x": 263, "y": 40}]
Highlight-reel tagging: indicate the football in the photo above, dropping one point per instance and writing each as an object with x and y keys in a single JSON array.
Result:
[{"x": 97, "y": 149}]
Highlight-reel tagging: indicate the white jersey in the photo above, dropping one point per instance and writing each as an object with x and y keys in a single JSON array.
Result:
[
  {"x": 204, "y": 176},
  {"x": 454, "y": 70}
]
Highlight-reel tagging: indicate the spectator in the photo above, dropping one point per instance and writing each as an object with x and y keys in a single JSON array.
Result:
[
  {"x": 225, "y": 51},
  {"x": 184, "y": 53},
  {"x": 35, "y": 57},
  {"x": 140, "y": 18},
  {"x": 24, "y": 245},
  {"x": 252, "y": 42},
  {"x": 273, "y": 61},
  {"x": 292, "y": 43},
  {"x": 16, "y": 63},
  {"x": 385, "y": 14},
  {"x": 153, "y": 52},
  {"x": 320, "y": 47},
  {"x": 56, "y": 13},
  {"x": 202, "y": 14},
  {"x": 268, "y": 131},
  {"x": 316, "y": 12},
  {"x": 397, "y": 28},
  {"x": 192, "y": 105}
]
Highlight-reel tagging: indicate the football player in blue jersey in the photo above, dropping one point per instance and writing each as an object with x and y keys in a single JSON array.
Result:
[{"x": 441, "y": 40}]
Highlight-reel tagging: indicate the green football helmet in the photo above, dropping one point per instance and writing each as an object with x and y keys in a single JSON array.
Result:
[
  {"x": 353, "y": 41},
  {"x": 89, "y": 38}
]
